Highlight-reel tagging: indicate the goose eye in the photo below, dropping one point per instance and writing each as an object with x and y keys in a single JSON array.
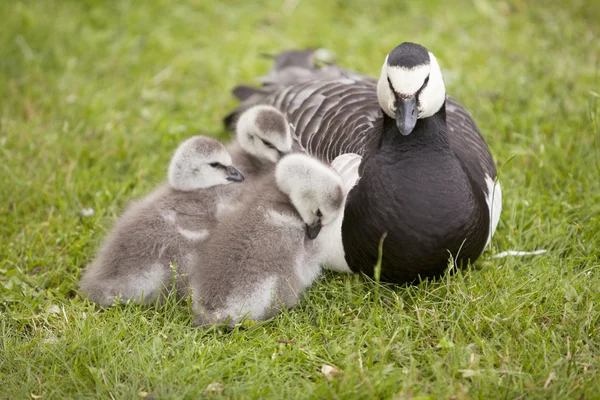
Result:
[
  {"x": 215, "y": 164},
  {"x": 319, "y": 213},
  {"x": 268, "y": 144},
  {"x": 390, "y": 85},
  {"x": 424, "y": 84}
]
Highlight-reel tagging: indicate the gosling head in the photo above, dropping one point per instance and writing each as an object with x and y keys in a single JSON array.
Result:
[
  {"x": 314, "y": 189},
  {"x": 263, "y": 131},
  {"x": 410, "y": 86},
  {"x": 201, "y": 162}
]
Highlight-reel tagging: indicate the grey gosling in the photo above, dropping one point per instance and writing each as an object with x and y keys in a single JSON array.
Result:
[
  {"x": 261, "y": 258},
  {"x": 133, "y": 263},
  {"x": 263, "y": 136}
]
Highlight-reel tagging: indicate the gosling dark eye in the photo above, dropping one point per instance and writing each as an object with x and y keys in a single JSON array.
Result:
[
  {"x": 268, "y": 144},
  {"x": 319, "y": 213},
  {"x": 215, "y": 164}
]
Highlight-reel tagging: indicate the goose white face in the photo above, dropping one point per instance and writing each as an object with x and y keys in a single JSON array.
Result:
[
  {"x": 314, "y": 189},
  {"x": 264, "y": 132},
  {"x": 201, "y": 162},
  {"x": 410, "y": 86}
]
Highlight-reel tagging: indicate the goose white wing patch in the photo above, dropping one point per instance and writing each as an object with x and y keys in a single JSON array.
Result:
[
  {"x": 494, "y": 203},
  {"x": 347, "y": 166},
  {"x": 331, "y": 236}
]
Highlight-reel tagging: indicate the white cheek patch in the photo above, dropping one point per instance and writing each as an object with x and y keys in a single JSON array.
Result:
[
  {"x": 385, "y": 97},
  {"x": 407, "y": 80},
  {"x": 433, "y": 95}
]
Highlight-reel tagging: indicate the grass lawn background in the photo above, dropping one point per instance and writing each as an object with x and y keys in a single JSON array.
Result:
[{"x": 94, "y": 98}]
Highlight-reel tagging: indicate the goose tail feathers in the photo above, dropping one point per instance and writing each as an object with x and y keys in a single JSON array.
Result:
[{"x": 290, "y": 67}]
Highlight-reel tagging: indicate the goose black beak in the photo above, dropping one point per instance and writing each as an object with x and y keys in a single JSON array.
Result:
[
  {"x": 312, "y": 231},
  {"x": 406, "y": 114},
  {"x": 234, "y": 175}
]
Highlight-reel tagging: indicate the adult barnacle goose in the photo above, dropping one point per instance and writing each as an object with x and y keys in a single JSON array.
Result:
[{"x": 427, "y": 179}]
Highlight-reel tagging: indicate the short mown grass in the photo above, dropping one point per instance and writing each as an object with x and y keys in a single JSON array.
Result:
[{"x": 94, "y": 98}]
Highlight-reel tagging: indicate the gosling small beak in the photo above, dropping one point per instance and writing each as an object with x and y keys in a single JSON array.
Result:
[
  {"x": 406, "y": 114},
  {"x": 312, "y": 231},
  {"x": 234, "y": 175}
]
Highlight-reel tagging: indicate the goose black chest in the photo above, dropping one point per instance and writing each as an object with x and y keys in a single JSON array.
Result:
[{"x": 425, "y": 203}]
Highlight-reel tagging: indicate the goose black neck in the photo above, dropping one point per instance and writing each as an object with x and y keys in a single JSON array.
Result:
[{"x": 429, "y": 131}]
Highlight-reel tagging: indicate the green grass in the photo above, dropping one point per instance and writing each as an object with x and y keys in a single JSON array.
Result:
[{"x": 95, "y": 96}]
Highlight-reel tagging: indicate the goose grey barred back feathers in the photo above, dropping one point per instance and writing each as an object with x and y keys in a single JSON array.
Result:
[
  {"x": 322, "y": 103},
  {"x": 317, "y": 109}
]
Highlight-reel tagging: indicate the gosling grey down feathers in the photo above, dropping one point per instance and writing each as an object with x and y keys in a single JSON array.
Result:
[
  {"x": 261, "y": 257},
  {"x": 164, "y": 227},
  {"x": 263, "y": 137}
]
